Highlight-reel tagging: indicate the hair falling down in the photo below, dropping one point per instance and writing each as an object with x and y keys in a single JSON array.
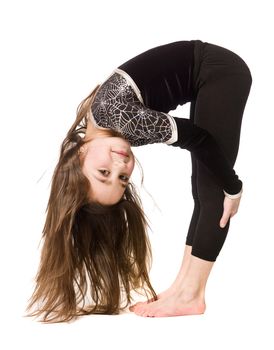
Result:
[{"x": 92, "y": 255}]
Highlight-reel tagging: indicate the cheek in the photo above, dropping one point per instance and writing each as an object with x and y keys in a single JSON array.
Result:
[
  {"x": 97, "y": 157},
  {"x": 90, "y": 165},
  {"x": 92, "y": 159}
]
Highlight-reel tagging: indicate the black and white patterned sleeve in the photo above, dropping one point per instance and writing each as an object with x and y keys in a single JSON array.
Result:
[{"x": 116, "y": 106}]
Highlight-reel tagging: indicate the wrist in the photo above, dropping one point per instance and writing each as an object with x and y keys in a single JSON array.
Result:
[{"x": 233, "y": 196}]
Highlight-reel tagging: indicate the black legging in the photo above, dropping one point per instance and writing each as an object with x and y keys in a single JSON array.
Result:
[{"x": 222, "y": 84}]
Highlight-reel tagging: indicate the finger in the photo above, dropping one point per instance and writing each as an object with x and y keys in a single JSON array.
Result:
[{"x": 224, "y": 220}]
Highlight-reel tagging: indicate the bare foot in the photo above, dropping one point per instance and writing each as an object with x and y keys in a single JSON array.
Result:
[
  {"x": 176, "y": 285},
  {"x": 178, "y": 304},
  {"x": 170, "y": 291}
]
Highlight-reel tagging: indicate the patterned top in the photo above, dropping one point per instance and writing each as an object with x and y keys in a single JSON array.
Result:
[{"x": 118, "y": 105}]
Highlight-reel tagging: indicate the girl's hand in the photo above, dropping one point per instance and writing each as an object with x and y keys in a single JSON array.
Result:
[{"x": 230, "y": 209}]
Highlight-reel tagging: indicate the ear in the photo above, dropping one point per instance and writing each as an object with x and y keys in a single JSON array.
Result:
[{"x": 82, "y": 149}]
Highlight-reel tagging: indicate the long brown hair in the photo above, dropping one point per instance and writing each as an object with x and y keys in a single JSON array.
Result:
[{"x": 93, "y": 255}]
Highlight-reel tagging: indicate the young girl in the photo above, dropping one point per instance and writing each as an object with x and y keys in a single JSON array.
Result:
[{"x": 96, "y": 249}]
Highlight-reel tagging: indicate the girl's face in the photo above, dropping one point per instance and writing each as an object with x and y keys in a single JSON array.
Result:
[{"x": 108, "y": 164}]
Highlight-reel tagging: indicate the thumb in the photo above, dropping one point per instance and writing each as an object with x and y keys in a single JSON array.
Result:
[{"x": 224, "y": 221}]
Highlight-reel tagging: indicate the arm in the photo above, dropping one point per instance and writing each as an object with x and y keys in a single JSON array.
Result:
[
  {"x": 116, "y": 106},
  {"x": 204, "y": 147}
]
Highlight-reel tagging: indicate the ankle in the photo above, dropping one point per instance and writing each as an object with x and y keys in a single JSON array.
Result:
[{"x": 191, "y": 292}]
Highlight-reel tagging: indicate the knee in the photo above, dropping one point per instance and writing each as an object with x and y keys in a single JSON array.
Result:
[
  {"x": 247, "y": 76},
  {"x": 209, "y": 190},
  {"x": 211, "y": 199}
]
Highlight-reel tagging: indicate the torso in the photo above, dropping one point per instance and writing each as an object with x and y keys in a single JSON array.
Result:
[{"x": 164, "y": 75}]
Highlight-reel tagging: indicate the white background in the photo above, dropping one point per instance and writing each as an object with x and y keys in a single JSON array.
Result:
[{"x": 53, "y": 53}]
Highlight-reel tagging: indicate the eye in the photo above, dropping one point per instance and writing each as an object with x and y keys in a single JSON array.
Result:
[
  {"x": 124, "y": 178},
  {"x": 104, "y": 172}
]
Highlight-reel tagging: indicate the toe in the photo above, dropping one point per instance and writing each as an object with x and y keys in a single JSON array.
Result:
[
  {"x": 139, "y": 310},
  {"x": 133, "y": 307},
  {"x": 143, "y": 311}
]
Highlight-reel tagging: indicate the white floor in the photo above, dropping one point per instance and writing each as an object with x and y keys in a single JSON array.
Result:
[{"x": 226, "y": 325}]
